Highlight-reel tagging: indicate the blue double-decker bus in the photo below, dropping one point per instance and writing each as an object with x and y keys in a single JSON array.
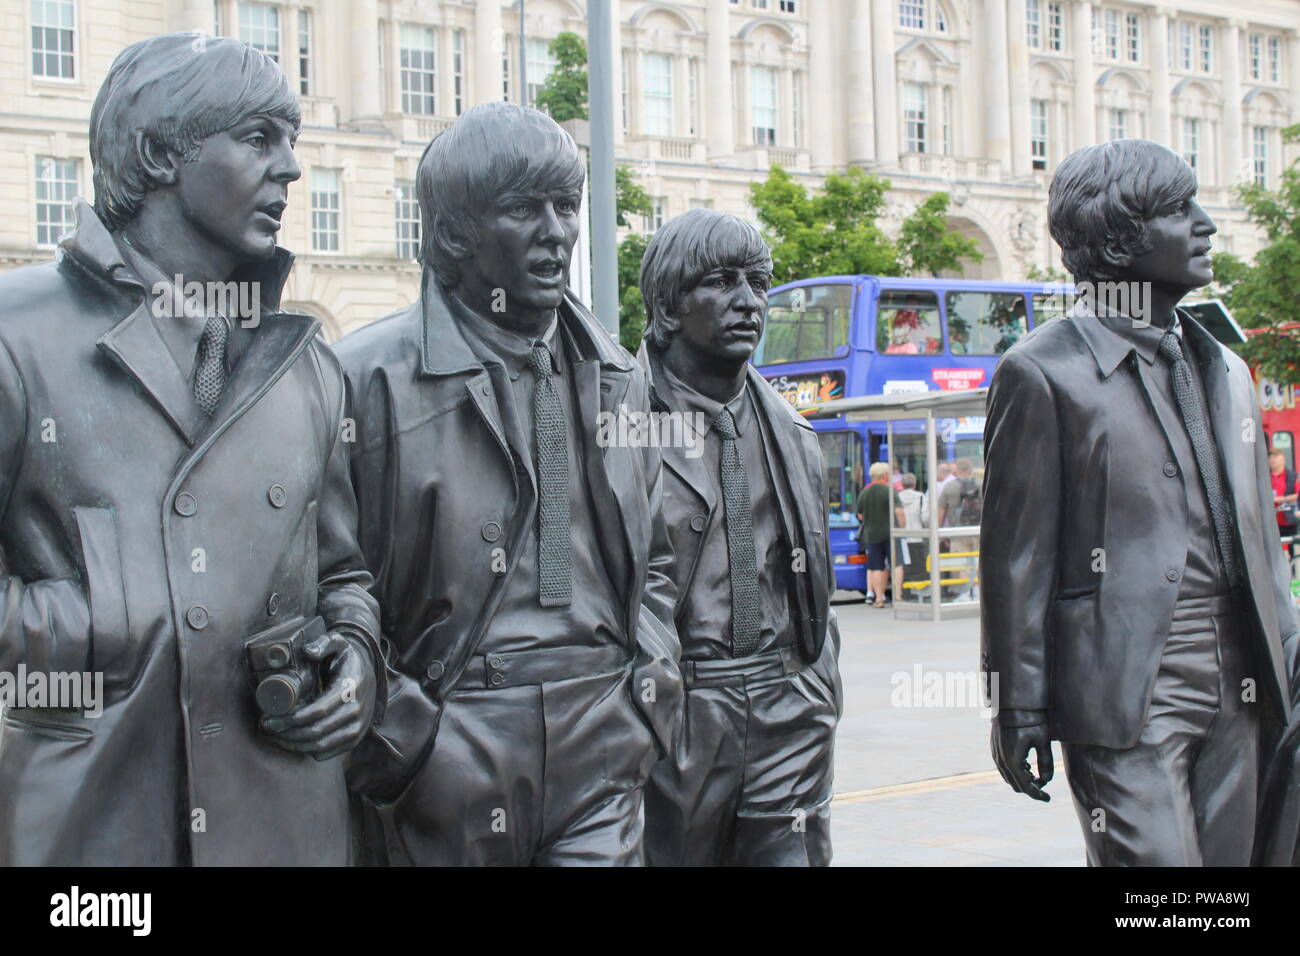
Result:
[{"x": 849, "y": 336}]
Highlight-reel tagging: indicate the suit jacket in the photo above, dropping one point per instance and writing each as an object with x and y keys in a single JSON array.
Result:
[
  {"x": 690, "y": 499},
  {"x": 144, "y": 540},
  {"x": 438, "y": 494},
  {"x": 1085, "y": 530}
]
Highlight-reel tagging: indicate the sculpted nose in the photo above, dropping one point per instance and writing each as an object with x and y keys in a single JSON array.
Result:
[{"x": 285, "y": 169}]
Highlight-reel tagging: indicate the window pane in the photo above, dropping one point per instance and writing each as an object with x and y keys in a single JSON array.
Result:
[
  {"x": 53, "y": 39},
  {"x": 762, "y": 91},
  {"x": 418, "y": 70},
  {"x": 985, "y": 323},
  {"x": 842, "y": 456},
  {"x": 907, "y": 323},
  {"x": 808, "y": 322},
  {"x": 658, "y": 81},
  {"x": 1047, "y": 307},
  {"x": 407, "y": 215},
  {"x": 259, "y": 27},
  {"x": 56, "y": 185}
]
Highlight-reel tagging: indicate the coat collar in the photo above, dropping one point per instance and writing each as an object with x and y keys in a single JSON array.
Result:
[
  {"x": 444, "y": 351},
  {"x": 1109, "y": 348}
]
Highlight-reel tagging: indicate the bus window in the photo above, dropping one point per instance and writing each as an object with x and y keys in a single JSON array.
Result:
[
  {"x": 806, "y": 322},
  {"x": 985, "y": 323},
  {"x": 842, "y": 454},
  {"x": 907, "y": 323},
  {"x": 1047, "y": 306}
]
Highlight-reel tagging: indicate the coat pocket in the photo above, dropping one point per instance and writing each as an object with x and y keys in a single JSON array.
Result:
[{"x": 105, "y": 587}]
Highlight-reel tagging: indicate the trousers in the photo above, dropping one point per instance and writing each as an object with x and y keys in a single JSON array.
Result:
[
  {"x": 1185, "y": 794},
  {"x": 750, "y": 783}
]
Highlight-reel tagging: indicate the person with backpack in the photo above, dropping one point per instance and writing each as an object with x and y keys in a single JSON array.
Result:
[{"x": 960, "y": 506}]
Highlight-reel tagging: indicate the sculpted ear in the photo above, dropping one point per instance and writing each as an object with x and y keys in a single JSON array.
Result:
[
  {"x": 157, "y": 161},
  {"x": 1115, "y": 255},
  {"x": 453, "y": 242}
]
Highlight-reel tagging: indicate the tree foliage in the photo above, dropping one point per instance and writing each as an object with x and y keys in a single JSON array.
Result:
[
  {"x": 1262, "y": 295},
  {"x": 564, "y": 93},
  {"x": 835, "y": 231}
]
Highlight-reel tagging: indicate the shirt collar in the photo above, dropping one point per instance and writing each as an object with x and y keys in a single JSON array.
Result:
[
  {"x": 680, "y": 397},
  {"x": 492, "y": 343}
]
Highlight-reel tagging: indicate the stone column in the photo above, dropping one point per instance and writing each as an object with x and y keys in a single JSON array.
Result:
[
  {"x": 822, "y": 62},
  {"x": 784, "y": 107},
  {"x": 489, "y": 43},
  {"x": 997, "y": 108},
  {"x": 1018, "y": 87},
  {"x": 1085, "y": 84},
  {"x": 364, "y": 55},
  {"x": 1291, "y": 151},
  {"x": 1230, "y": 57},
  {"x": 860, "y": 103},
  {"x": 885, "y": 81},
  {"x": 1158, "y": 43},
  {"x": 720, "y": 120}
]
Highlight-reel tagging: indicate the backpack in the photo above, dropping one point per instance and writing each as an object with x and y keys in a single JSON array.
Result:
[{"x": 970, "y": 507}]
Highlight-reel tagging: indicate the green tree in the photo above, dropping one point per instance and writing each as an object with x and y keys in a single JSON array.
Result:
[
  {"x": 1262, "y": 295},
  {"x": 1050, "y": 274},
  {"x": 630, "y": 199},
  {"x": 835, "y": 231},
  {"x": 564, "y": 93}
]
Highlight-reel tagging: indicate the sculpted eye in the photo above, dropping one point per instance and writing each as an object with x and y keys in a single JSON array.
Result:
[
  {"x": 566, "y": 207},
  {"x": 257, "y": 141},
  {"x": 520, "y": 210}
]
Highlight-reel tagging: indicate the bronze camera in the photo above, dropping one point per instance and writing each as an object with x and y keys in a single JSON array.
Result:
[{"x": 283, "y": 675}]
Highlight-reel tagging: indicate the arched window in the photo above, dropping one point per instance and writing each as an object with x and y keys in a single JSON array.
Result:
[{"x": 924, "y": 15}]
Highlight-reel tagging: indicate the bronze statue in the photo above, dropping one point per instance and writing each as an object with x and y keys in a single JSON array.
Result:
[
  {"x": 521, "y": 562},
  {"x": 1136, "y": 605},
  {"x": 175, "y": 508},
  {"x": 745, "y": 503}
]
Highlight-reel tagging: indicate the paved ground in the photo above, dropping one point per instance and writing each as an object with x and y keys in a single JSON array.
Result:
[{"x": 915, "y": 785}]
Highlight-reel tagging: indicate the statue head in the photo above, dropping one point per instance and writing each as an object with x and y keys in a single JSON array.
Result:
[
  {"x": 1126, "y": 211},
  {"x": 704, "y": 281},
  {"x": 500, "y": 194},
  {"x": 206, "y": 127}
]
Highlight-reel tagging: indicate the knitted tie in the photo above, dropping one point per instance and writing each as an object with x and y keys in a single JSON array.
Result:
[
  {"x": 210, "y": 370},
  {"x": 745, "y": 618},
  {"x": 555, "y": 587},
  {"x": 1207, "y": 459}
]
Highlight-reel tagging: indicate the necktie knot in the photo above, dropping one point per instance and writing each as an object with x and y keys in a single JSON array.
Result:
[
  {"x": 539, "y": 360},
  {"x": 1170, "y": 350},
  {"x": 725, "y": 425},
  {"x": 210, "y": 370}
]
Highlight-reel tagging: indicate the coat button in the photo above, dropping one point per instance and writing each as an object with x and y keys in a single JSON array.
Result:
[
  {"x": 435, "y": 670},
  {"x": 273, "y": 604},
  {"x": 494, "y": 662},
  {"x": 277, "y": 496},
  {"x": 1170, "y": 469},
  {"x": 185, "y": 504},
  {"x": 491, "y": 531},
  {"x": 498, "y": 679},
  {"x": 1172, "y": 574},
  {"x": 487, "y": 390},
  {"x": 197, "y": 617},
  {"x": 698, "y": 522}
]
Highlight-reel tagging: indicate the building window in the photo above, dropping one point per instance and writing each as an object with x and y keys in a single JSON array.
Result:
[
  {"x": 54, "y": 39},
  {"x": 458, "y": 71},
  {"x": 1132, "y": 37},
  {"x": 914, "y": 97},
  {"x": 1192, "y": 142},
  {"x": 655, "y": 220},
  {"x": 1185, "y": 45},
  {"x": 1038, "y": 133},
  {"x": 947, "y": 121},
  {"x": 692, "y": 96},
  {"x": 1118, "y": 124},
  {"x": 304, "y": 52},
  {"x": 760, "y": 4},
  {"x": 796, "y": 108},
  {"x": 657, "y": 76},
  {"x": 418, "y": 70},
  {"x": 325, "y": 206},
  {"x": 56, "y": 185},
  {"x": 1274, "y": 60},
  {"x": 1259, "y": 154},
  {"x": 1034, "y": 23},
  {"x": 407, "y": 216},
  {"x": 1055, "y": 28},
  {"x": 911, "y": 13},
  {"x": 789, "y": 6},
  {"x": 762, "y": 94},
  {"x": 1112, "y": 34},
  {"x": 540, "y": 66},
  {"x": 1207, "y": 48},
  {"x": 1255, "y": 42},
  {"x": 259, "y": 27}
]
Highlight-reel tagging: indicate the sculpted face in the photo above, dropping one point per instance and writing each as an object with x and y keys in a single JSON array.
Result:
[
  {"x": 525, "y": 247},
  {"x": 1179, "y": 258},
  {"x": 721, "y": 318},
  {"x": 235, "y": 192}
]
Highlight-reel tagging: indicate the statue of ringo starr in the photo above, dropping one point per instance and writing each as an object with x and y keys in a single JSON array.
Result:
[
  {"x": 521, "y": 562},
  {"x": 1136, "y": 604},
  {"x": 745, "y": 503},
  {"x": 176, "y": 514}
]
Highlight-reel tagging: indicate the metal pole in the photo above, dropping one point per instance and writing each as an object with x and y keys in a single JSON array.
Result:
[
  {"x": 523, "y": 57},
  {"x": 932, "y": 477},
  {"x": 600, "y": 98}
]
